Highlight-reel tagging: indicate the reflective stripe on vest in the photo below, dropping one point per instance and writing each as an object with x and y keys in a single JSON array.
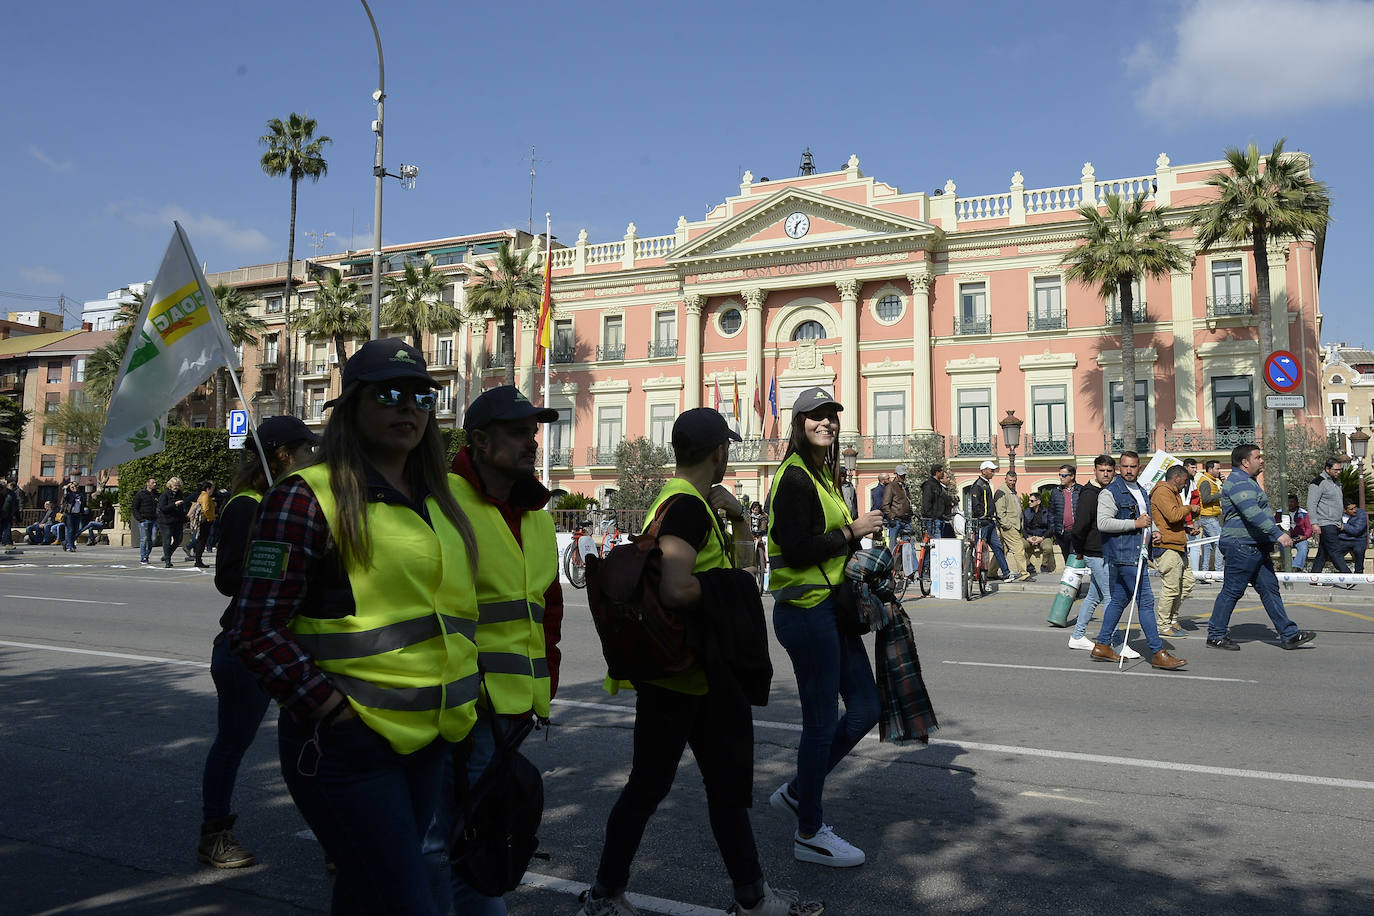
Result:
[
  {"x": 809, "y": 586},
  {"x": 712, "y": 553},
  {"x": 512, "y": 580},
  {"x": 405, "y": 656}
]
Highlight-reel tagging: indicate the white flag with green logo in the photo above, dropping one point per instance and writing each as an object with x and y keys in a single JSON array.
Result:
[{"x": 178, "y": 341}]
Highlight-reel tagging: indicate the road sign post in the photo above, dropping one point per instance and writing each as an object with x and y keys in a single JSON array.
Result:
[
  {"x": 1283, "y": 374},
  {"x": 238, "y": 428}
]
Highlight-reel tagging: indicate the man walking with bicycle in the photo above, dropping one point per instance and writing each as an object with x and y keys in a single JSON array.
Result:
[
  {"x": 897, "y": 513},
  {"x": 983, "y": 516},
  {"x": 937, "y": 505}
]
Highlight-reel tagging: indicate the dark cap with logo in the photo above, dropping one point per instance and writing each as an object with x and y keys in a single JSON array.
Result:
[
  {"x": 701, "y": 428},
  {"x": 814, "y": 399},
  {"x": 504, "y": 403},
  {"x": 385, "y": 360},
  {"x": 275, "y": 431}
]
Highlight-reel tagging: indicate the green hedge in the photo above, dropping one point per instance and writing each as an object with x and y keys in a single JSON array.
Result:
[{"x": 193, "y": 455}]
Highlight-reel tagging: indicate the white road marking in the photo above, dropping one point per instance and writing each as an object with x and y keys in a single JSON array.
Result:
[
  {"x": 641, "y": 901},
  {"x": 1054, "y": 797},
  {"x": 1107, "y": 669},
  {"x": 72, "y": 600},
  {"x": 133, "y": 658}
]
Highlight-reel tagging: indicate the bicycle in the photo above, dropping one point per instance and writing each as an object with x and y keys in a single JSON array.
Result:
[
  {"x": 901, "y": 577},
  {"x": 976, "y": 558},
  {"x": 584, "y": 545}
]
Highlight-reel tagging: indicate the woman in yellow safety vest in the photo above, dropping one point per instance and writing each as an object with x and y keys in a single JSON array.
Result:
[
  {"x": 241, "y": 703},
  {"x": 810, "y": 535},
  {"x": 357, "y": 613}
]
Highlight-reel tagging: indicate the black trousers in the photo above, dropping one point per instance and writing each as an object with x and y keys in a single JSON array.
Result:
[
  {"x": 666, "y": 722},
  {"x": 1329, "y": 548},
  {"x": 171, "y": 538}
]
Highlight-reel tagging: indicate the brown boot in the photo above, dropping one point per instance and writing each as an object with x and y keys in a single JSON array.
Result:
[
  {"x": 1103, "y": 653},
  {"x": 218, "y": 847},
  {"x": 1162, "y": 659}
]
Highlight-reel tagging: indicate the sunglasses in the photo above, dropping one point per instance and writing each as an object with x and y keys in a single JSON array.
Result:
[
  {"x": 391, "y": 397},
  {"x": 1065, "y": 475}
]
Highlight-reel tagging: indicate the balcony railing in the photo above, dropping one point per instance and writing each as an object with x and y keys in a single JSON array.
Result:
[
  {"x": 1138, "y": 315},
  {"x": 610, "y": 352},
  {"x": 893, "y": 448},
  {"x": 1144, "y": 443},
  {"x": 979, "y": 324},
  {"x": 1050, "y": 445},
  {"x": 972, "y": 446},
  {"x": 1207, "y": 440},
  {"x": 662, "y": 349},
  {"x": 268, "y": 361},
  {"x": 558, "y": 458},
  {"x": 313, "y": 367},
  {"x": 757, "y": 450},
  {"x": 1225, "y": 306},
  {"x": 563, "y": 354},
  {"x": 440, "y": 359},
  {"x": 601, "y": 456},
  {"x": 498, "y": 360},
  {"x": 1054, "y": 321}
]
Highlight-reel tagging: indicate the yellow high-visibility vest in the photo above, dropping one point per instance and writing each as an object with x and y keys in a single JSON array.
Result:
[{"x": 810, "y": 585}]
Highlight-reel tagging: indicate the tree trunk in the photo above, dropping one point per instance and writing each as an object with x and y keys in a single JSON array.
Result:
[
  {"x": 1263, "y": 314},
  {"x": 415, "y": 337},
  {"x": 341, "y": 355},
  {"x": 508, "y": 331},
  {"x": 1123, "y": 295},
  {"x": 287, "y": 376},
  {"x": 221, "y": 376}
]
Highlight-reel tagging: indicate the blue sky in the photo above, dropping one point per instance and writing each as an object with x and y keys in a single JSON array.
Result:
[{"x": 645, "y": 111}]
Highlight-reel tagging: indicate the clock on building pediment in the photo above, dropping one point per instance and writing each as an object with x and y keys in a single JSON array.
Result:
[{"x": 797, "y": 225}]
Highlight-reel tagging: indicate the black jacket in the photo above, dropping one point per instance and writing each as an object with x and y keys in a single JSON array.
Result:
[
  {"x": 144, "y": 506},
  {"x": 935, "y": 499},
  {"x": 980, "y": 500},
  {"x": 1087, "y": 540},
  {"x": 168, "y": 512}
]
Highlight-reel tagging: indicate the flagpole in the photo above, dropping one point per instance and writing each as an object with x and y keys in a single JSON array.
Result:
[
  {"x": 223, "y": 334},
  {"x": 548, "y": 272}
]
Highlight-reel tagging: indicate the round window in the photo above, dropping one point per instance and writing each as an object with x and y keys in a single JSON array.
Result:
[
  {"x": 809, "y": 330},
  {"x": 890, "y": 307},
  {"x": 730, "y": 321}
]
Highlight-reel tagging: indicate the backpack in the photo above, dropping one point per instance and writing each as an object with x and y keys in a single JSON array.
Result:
[
  {"x": 492, "y": 848},
  {"x": 640, "y": 638}
]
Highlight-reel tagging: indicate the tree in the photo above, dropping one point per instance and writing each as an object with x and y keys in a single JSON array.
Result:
[
  {"x": 508, "y": 288},
  {"x": 1259, "y": 200},
  {"x": 1119, "y": 248},
  {"x": 80, "y": 421},
  {"x": 234, "y": 307},
  {"x": 415, "y": 301},
  {"x": 642, "y": 470},
  {"x": 338, "y": 313},
  {"x": 13, "y": 419},
  {"x": 295, "y": 151}
]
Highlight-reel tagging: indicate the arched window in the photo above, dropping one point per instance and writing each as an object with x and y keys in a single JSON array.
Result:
[
  {"x": 809, "y": 330},
  {"x": 1337, "y": 380},
  {"x": 889, "y": 307}
]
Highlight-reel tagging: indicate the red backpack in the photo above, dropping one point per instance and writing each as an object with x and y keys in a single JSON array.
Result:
[{"x": 640, "y": 638}]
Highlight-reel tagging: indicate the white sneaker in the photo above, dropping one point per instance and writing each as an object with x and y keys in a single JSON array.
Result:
[
  {"x": 606, "y": 906},
  {"x": 779, "y": 903},
  {"x": 826, "y": 848},
  {"x": 783, "y": 800},
  {"x": 1125, "y": 651},
  {"x": 1082, "y": 642}
]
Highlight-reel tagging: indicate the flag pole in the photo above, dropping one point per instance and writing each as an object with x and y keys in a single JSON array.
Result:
[
  {"x": 223, "y": 334},
  {"x": 548, "y": 278}
]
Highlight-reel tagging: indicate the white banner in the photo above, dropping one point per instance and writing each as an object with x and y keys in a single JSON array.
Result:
[
  {"x": 1153, "y": 472},
  {"x": 178, "y": 340}
]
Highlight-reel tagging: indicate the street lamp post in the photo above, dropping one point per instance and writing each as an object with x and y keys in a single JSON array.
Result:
[
  {"x": 1359, "y": 448},
  {"x": 1011, "y": 435},
  {"x": 379, "y": 171}
]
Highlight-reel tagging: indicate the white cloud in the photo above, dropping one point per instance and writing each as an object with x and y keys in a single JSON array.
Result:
[
  {"x": 47, "y": 160},
  {"x": 42, "y": 276},
  {"x": 1246, "y": 57},
  {"x": 244, "y": 239}
]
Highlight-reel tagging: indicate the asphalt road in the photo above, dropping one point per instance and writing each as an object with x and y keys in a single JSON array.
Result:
[{"x": 1055, "y": 785}]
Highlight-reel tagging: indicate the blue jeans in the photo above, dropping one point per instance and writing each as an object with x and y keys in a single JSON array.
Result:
[
  {"x": 938, "y": 527},
  {"x": 829, "y": 667},
  {"x": 1248, "y": 565},
  {"x": 1123, "y": 581},
  {"x": 1099, "y": 588},
  {"x": 1208, "y": 555},
  {"x": 368, "y": 806},
  {"x": 146, "y": 527},
  {"x": 896, "y": 530},
  {"x": 73, "y": 527},
  {"x": 448, "y": 888},
  {"x": 989, "y": 534},
  {"x": 1300, "y": 555},
  {"x": 241, "y": 706}
]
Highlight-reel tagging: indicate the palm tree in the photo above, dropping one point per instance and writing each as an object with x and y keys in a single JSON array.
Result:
[
  {"x": 338, "y": 313},
  {"x": 1127, "y": 244},
  {"x": 415, "y": 301},
  {"x": 294, "y": 150},
  {"x": 1263, "y": 198},
  {"x": 509, "y": 287},
  {"x": 234, "y": 305}
]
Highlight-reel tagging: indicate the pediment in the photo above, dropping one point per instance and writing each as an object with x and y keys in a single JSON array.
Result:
[{"x": 834, "y": 224}]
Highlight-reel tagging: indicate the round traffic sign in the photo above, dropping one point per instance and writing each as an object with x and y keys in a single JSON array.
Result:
[{"x": 1282, "y": 372}]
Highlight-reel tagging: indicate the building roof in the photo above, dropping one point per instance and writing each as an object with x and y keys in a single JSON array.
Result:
[
  {"x": 76, "y": 342},
  {"x": 22, "y": 346}
]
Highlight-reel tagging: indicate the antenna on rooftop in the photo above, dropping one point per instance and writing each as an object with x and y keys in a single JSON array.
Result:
[
  {"x": 532, "y": 162},
  {"x": 808, "y": 165},
  {"x": 318, "y": 240}
]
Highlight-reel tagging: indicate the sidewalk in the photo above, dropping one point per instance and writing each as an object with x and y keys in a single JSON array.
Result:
[{"x": 1048, "y": 584}]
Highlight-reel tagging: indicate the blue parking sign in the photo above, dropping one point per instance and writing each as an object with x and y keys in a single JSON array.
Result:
[{"x": 238, "y": 422}]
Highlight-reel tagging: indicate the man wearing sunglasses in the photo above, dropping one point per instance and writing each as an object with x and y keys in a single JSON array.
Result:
[
  {"x": 519, "y": 601},
  {"x": 1063, "y": 502}
]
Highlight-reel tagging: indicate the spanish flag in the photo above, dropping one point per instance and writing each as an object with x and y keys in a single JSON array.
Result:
[{"x": 545, "y": 305}]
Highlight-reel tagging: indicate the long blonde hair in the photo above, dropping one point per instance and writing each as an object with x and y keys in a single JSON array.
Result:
[{"x": 425, "y": 470}]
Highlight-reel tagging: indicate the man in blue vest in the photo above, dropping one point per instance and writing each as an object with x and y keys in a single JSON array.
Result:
[
  {"x": 519, "y": 602},
  {"x": 1123, "y": 517}
]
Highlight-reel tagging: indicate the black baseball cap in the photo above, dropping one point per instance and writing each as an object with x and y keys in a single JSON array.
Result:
[
  {"x": 504, "y": 403},
  {"x": 383, "y": 360},
  {"x": 814, "y": 399},
  {"x": 288, "y": 430},
  {"x": 701, "y": 428}
]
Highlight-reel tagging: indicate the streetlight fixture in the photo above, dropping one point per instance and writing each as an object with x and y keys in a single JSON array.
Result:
[
  {"x": 851, "y": 460},
  {"x": 1359, "y": 448},
  {"x": 1011, "y": 435}
]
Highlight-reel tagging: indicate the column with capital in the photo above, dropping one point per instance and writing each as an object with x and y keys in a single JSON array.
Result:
[
  {"x": 923, "y": 395},
  {"x": 753, "y": 300},
  {"x": 849, "y": 357},
  {"x": 693, "y": 303}
]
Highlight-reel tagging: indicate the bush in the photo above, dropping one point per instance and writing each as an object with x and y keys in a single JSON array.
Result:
[
  {"x": 574, "y": 501},
  {"x": 643, "y": 472},
  {"x": 194, "y": 455},
  {"x": 454, "y": 439},
  {"x": 1306, "y": 455}
]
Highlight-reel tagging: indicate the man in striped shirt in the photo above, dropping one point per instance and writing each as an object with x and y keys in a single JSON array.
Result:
[{"x": 1248, "y": 535}]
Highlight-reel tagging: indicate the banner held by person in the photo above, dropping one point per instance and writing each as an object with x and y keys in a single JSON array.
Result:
[{"x": 178, "y": 340}]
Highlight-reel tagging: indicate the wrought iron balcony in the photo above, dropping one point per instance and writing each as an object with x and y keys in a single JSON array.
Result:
[
  {"x": 440, "y": 359},
  {"x": 601, "y": 456},
  {"x": 611, "y": 352},
  {"x": 1049, "y": 445},
  {"x": 558, "y": 458},
  {"x": 972, "y": 446},
  {"x": 562, "y": 354},
  {"x": 313, "y": 367},
  {"x": 1208, "y": 440},
  {"x": 979, "y": 324},
  {"x": 1138, "y": 315},
  {"x": 1226, "y": 306},
  {"x": 498, "y": 360},
  {"x": 1144, "y": 443},
  {"x": 1054, "y": 321},
  {"x": 662, "y": 349},
  {"x": 757, "y": 450}
]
